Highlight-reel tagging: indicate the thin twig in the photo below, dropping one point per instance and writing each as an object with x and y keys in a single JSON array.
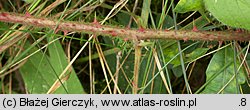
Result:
[{"x": 136, "y": 66}]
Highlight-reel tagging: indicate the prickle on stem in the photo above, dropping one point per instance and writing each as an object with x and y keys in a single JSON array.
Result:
[
  {"x": 195, "y": 29},
  {"x": 126, "y": 39},
  {"x": 141, "y": 29},
  {"x": 65, "y": 32},
  {"x": 185, "y": 39},
  {"x": 27, "y": 14},
  {"x": 96, "y": 23},
  {"x": 113, "y": 33}
]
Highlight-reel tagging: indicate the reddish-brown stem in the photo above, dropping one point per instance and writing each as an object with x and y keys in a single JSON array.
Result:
[{"x": 124, "y": 33}]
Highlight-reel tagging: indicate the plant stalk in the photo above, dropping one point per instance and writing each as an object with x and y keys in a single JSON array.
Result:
[{"x": 124, "y": 33}]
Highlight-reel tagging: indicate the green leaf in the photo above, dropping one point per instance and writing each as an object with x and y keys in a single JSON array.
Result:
[
  {"x": 145, "y": 12},
  {"x": 36, "y": 72},
  {"x": 233, "y": 13},
  {"x": 168, "y": 21},
  {"x": 59, "y": 62},
  {"x": 169, "y": 52},
  {"x": 219, "y": 61},
  {"x": 200, "y": 23},
  {"x": 40, "y": 71},
  {"x": 184, "y": 6},
  {"x": 195, "y": 54},
  {"x": 177, "y": 71}
]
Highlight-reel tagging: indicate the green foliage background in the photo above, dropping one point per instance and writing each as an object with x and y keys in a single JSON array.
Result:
[{"x": 39, "y": 60}]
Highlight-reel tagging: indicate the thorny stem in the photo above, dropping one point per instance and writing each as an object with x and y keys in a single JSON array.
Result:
[{"x": 128, "y": 34}]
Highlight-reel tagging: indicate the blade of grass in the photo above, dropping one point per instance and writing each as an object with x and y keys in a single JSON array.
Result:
[
  {"x": 161, "y": 72},
  {"x": 180, "y": 53},
  {"x": 235, "y": 67},
  {"x": 145, "y": 12},
  {"x": 166, "y": 64}
]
